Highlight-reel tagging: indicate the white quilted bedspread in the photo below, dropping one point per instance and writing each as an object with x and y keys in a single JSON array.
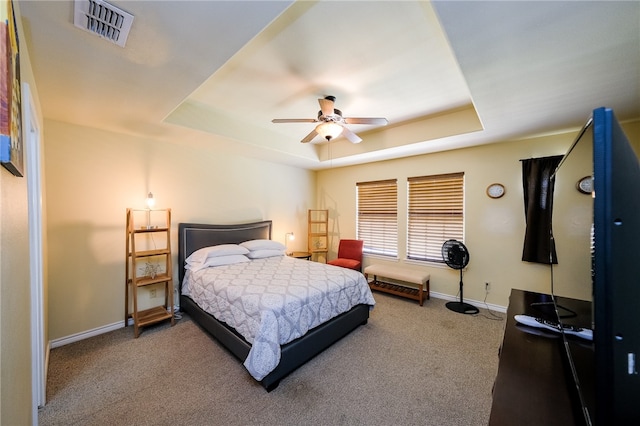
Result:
[{"x": 275, "y": 300}]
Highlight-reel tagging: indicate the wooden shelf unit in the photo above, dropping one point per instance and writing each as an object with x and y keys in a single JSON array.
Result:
[
  {"x": 140, "y": 252},
  {"x": 318, "y": 232}
]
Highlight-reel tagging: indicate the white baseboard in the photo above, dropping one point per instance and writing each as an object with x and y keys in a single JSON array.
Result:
[
  {"x": 476, "y": 303},
  {"x": 86, "y": 334},
  {"x": 94, "y": 332}
]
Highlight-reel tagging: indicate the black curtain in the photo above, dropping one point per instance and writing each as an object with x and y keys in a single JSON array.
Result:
[{"x": 538, "y": 206}]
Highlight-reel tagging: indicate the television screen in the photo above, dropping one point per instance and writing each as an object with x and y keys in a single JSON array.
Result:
[
  {"x": 604, "y": 226},
  {"x": 616, "y": 277},
  {"x": 572, "y": 226}
]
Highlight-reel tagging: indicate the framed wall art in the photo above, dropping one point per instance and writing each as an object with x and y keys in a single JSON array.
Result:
[{"x": 11, "y": 144}]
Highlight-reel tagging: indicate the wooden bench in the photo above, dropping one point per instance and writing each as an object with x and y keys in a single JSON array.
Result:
[{"x": 413, "y": 283}]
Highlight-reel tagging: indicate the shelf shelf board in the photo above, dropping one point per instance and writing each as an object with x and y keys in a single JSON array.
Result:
[
  {"x": 150, "y": 253},
  {"x": 147, "y": 280},
  {"x": 147, "y": 230},
  {"x": 153, "y": 315}
]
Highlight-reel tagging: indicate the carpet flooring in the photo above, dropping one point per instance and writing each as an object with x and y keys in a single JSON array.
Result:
[{"x": 409, "y": 365}]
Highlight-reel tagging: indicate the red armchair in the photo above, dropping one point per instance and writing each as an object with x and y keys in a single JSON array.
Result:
[{"x": 349, "y": 255}]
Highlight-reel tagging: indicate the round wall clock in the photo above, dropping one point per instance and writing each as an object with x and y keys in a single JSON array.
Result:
[
  {"x": 585, "y": 185},
  {"x": 495, "y": 190}
]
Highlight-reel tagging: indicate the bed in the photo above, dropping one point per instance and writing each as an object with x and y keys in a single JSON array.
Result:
[{"x": 193, "y": 236}]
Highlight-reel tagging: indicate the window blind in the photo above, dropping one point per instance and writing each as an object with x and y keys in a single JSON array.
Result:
[
  {"x": 435, "y": 214},
  {"x": 377, "y": 216}
]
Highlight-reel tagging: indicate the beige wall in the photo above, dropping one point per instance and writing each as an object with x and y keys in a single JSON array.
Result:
[
  {"x": 15, "y": 308},
  {"x": 494, "y": 230},
  {"x": 93, "y": 176},
  {"x": 15, "y": 332}
]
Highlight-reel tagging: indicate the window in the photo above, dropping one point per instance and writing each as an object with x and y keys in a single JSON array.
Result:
[
  {"x": 377, "y": 216},
  {"x": 435, "y": 214}
]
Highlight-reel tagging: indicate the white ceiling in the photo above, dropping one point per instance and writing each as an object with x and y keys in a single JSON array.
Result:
[{"x": 214, "y": 73}]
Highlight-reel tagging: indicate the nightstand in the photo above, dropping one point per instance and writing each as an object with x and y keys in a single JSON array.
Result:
[{"x": 300, "y": 255}]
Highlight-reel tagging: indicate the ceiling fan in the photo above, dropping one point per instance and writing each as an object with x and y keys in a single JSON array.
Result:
[{"x": 332, "y": 124}]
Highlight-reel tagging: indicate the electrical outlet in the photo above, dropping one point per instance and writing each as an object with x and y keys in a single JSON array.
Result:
[
  {"x": 486, "y": 286},
  {"x": 152, "y": 293}
]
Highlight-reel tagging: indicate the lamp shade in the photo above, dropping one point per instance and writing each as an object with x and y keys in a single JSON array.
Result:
[
  {"x": 150, "y": 201},
  {"x": 329, "y": 130},
  {"x": 288, "y": 237}
]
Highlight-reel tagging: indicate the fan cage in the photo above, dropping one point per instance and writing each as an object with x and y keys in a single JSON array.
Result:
[{"x": 455, "y": 254}]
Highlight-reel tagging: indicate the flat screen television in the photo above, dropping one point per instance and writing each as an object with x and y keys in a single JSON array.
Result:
[{"x": 605, "y": 377}]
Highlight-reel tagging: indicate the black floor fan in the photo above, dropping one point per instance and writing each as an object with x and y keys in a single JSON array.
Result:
[{"x": 456, "y": 256}]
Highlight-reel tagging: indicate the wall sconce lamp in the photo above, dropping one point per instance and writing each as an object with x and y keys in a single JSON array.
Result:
[{"x": 288, "y": 237}]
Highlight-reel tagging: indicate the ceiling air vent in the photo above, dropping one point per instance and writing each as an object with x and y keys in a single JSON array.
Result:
[{"x": 101, "y": 18}]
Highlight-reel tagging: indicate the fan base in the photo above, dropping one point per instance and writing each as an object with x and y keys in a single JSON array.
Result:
[{"x": 462, "y": 308}]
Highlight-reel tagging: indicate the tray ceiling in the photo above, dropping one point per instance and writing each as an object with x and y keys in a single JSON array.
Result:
[{"x": 445, "y": 74}]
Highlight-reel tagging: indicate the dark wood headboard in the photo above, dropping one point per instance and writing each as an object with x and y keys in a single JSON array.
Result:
[{"x": 194, "y": 236}]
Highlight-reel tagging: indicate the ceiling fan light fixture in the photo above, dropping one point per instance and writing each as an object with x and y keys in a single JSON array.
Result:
[
  {"x": 329, "y": 130},
  {"x": 332, "y": 124}
]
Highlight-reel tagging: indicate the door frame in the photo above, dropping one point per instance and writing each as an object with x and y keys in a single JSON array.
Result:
[{"x": 31, "y": 137}]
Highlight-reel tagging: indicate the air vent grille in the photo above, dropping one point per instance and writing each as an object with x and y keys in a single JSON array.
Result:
[{"x": 102, "y": 19}]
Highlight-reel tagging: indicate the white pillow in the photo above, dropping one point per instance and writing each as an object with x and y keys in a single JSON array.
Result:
[
  {"x": 260, "y": 254},
  {"x": 218, "y": 261},
  {"x": 199, "y": 256},
  {"x": 263, "y": 245}
]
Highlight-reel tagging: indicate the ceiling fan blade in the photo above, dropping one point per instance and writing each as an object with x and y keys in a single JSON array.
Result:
[
  {"x": 373, "y": 120},
  {"x": 294, "y": 120},
  {"x": 353, "y": 138},
  {"x": 310, "y": 136},
  {"x": 326, "y": 106}
]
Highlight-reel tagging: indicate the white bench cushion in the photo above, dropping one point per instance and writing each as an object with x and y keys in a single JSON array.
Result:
[{"x": 398, "y": 273}]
